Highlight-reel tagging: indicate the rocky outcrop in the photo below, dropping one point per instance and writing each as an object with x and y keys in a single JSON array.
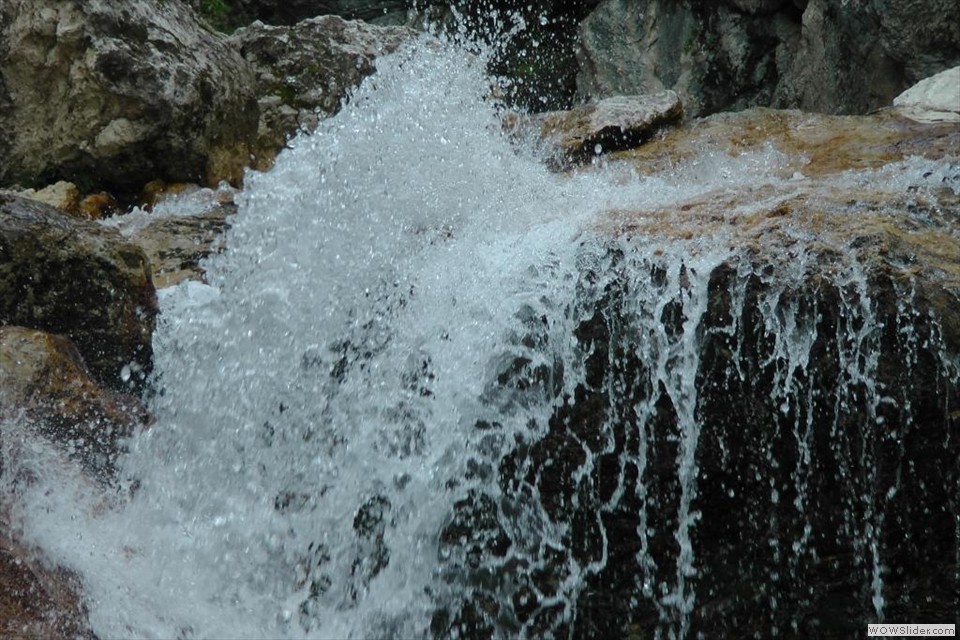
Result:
[
  {"x": 112, "y": 95},
  {"x": 62, "y": 195},
  {"x": 815, "y": 145},
  {"x": 572, "y": 137},
  {"x": 305, "y": 71},
  {"x": 175, "y": 245},
  {"x": 38, "y": 603},
  {"x": 806, "y": 148},
  {"x": 933, "y": 99},
  {"x": 751, "y": 437},
  {"x": 828, "y": 56},
  {"x": 44, "y": 381},
  {"x": 72, "y": 277}
]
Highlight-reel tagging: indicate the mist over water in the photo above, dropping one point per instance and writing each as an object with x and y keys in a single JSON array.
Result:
[{"x": 403, "y": 276}]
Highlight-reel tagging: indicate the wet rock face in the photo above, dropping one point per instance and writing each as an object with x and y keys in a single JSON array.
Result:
[
  {"x": 305, "y": 71},
  {"x": 753, "y": 442},
  {"x": 43, "y": 378},
  {"x": 534, "y": 55},
  {"x": 622, "y": 122},
  {"x": 809, "y": 460},
  {"x": 72, "y": 277},
  {"x": 113, "y": 95},
  {"x": 176, "y": 245},
  {"x": 829, "y": 56},
  {"x": 37, "y": 602}
]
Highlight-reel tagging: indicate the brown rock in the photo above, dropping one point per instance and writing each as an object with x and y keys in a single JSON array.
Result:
[
  {"x": 156, "y": 191},
  {"x": 43, "y": 379},
  {"x": 621, "y": 122},
  {"x": 824, "y": 351},
  {"x": 36, "y": 602},
  {"x": 62, "y": 195},
  {"x": 813, "y": 149},
  {"x": 98, "y": 205},
  {"x": 813, "y": 144},
  {"x": 175, "y": 245},
  {"x": 73, "y": 277}
]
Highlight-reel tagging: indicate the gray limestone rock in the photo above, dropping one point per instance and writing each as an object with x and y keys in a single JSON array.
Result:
[
  {"x": 68, "y": 276},
  {"x": 112, "y": 95},
  {"x": 289, "y": 12},
  {"x": 934, "y": 99},
  {"x": 304, "y": 71},
  {"x": 175, "y": 245},
  {"x": 830, "y": 56},
  {"x": 616, "y": 123}
]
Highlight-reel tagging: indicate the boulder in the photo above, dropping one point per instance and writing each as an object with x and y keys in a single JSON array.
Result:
[
  {"x": 44, "y": 381},
  {"x": 829, "y": 56},
  {"x": 751, "y": 436},
  {"x": 74, "y": 277},
  {"x": 934, "y": 99},
  {"x": 613, "y": 124},
  {"x": 111, "y": 95},
  {"x": 37, "y": 602},
  {"x": 62, "y": 195},
  {"x": 175, "y": 245},
  {"x": 239, "y": 13},
  {"x": 98, "y": 205},
  {"x": 305, "y": 71}
]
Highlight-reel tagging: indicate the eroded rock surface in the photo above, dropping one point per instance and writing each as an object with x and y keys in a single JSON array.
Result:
[
  {"x": 830, "y": 56},
  {"x": 62, "y": 195},
  {"x": 112, "y": 95},
  {"x": 617, "y": 123},
  {"x": 754, "y": 430},
  {"x": 290, "y": 12},
  {"x": 72, "y": 277},
  {"x": 44, "y": 381},
  {"x": 305, "y": 71},
  {"x": 38, "y": 603},
  {"x": 811, "y": 144},
  {"x": 175, "y": 245}
]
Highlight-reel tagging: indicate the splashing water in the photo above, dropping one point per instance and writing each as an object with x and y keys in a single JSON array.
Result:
[{"x": 375, "y": 410}]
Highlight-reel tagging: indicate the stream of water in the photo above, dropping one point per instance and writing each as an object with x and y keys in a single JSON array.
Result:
[{"x": 401, "y": 308}]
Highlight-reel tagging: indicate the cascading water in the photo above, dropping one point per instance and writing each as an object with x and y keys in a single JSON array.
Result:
[{"x": 429, "y": 392}]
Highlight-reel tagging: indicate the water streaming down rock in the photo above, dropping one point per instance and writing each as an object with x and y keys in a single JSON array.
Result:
[{"x": 430, "y": 390}]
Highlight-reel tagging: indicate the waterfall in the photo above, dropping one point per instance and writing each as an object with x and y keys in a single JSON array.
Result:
[{"x": 433, "y": 390}]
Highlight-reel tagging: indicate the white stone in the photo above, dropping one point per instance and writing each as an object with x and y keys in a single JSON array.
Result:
[
  {"x": 119, "y": 134},
  {"x": 62, "y": 195},
  {"x": 934, "y": 99}
]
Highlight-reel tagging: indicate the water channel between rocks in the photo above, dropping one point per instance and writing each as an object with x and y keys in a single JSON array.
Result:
[{"x": 434, "y": 390}]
